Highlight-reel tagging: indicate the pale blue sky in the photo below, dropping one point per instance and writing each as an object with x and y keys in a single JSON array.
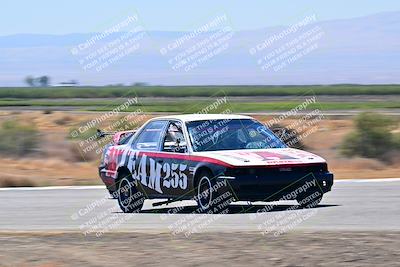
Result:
[{"x": 82, "y": 16}]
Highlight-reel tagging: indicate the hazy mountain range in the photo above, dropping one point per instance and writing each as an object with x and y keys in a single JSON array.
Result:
[{"x": 358, "y": 50}]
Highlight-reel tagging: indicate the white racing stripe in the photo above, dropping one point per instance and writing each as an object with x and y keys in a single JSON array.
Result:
[{"x": 74, "y": 187}]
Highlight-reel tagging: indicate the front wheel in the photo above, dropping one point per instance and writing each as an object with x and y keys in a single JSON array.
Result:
[
  {"x": 310, "y": 200},
  {"x": 212, "y": 196},
  {"x": 129, "y": 198},
  {"x": 113, "y": 194}
]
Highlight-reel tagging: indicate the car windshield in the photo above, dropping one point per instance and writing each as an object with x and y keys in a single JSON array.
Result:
[{"x": 230, "y": 134}]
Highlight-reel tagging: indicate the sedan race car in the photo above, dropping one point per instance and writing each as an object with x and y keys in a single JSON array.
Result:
[{"x": 213, "y": 159}]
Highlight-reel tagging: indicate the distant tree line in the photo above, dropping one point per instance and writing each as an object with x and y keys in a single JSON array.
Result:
[{"x": 43, "y": 81}]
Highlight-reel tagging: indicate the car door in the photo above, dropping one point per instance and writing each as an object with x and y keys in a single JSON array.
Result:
[
  {"x": 176, "y": 175},
  {"x": 144, "y": 165}
]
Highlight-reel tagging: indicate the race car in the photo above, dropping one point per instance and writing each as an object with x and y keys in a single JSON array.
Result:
[{"x": 213, "y": 159}]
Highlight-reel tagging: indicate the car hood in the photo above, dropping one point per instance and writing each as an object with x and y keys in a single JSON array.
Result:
[{"x": 263, "y": 157}]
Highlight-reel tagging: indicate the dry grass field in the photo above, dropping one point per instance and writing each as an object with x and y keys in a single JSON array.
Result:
[{"x": 58, "y": 160}]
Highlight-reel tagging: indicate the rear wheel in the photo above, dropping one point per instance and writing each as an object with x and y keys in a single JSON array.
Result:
[{"x": 129, "y": 198}]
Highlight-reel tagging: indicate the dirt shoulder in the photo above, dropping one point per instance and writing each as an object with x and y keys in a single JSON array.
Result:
[{"x": 211, "y": 249}]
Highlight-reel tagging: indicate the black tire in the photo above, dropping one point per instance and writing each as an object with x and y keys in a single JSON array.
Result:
[
  {"x": 310, "y": 199},
  {"x": 208, "y": 199},
  {"x": 129, "y": 198}
]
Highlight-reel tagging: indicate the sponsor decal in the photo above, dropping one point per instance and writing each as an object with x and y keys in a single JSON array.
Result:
[{"x": 156, "y": 175}]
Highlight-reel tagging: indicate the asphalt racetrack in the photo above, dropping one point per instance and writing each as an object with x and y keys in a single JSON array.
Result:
[{"x": 352, "y": 205}]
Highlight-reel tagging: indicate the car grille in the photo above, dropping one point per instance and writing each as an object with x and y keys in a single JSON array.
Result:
[{"x": 262, "y": 171}]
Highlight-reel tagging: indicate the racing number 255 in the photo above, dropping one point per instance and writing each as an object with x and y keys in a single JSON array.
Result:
[{"x": 172, "y": 174}]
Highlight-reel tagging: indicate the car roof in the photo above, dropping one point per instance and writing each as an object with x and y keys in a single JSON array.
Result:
[{"x": 200, "y": 117}]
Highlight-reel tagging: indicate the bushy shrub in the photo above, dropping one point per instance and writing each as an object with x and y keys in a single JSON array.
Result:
[
  {"x": 16, "y": 182},
  {"x": 372, "y": 137},
  {"x": 63, "y": 121},
  {"x": 84, "y": 144},
  {"x": 89, "y": 134},
  {"x": 18, "y": 139},
  {"x": 80, "y": 153}
]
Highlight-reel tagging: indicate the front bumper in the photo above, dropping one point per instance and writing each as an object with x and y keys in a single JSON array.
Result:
[{"x": 270, "y": 185}]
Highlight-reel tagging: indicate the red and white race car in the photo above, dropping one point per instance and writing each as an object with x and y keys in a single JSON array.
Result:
[{"x": 213, "y": 159}]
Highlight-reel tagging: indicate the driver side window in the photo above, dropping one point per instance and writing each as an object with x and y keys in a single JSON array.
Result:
[{"x": 174, "y": 141}]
